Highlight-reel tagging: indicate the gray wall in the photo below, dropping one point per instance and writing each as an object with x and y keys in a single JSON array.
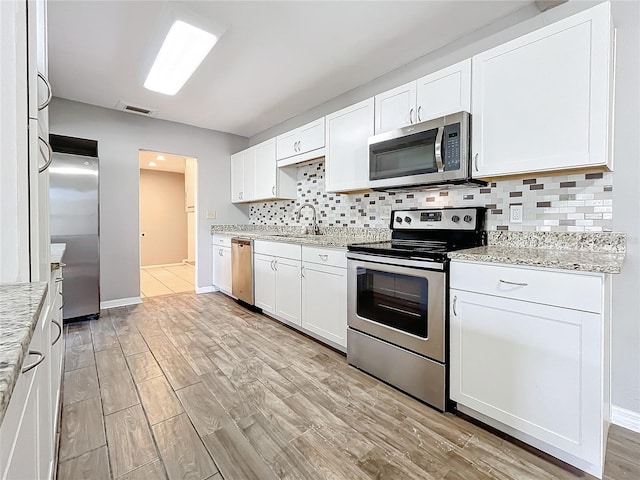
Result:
[
  {"x": 626, "y": 15},
  {"x": 120, "y": 136}
]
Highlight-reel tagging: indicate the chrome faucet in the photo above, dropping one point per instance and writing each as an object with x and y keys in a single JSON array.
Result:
[{"x": 314, "y": 227}]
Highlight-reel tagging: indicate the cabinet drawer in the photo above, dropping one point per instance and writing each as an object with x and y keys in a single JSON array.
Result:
[
  {"x": 277, "y": 249},
  {"x": 222, "y": 240},
  {"x": 568, "y": 290},
  {"x": 325, "y": 256}
]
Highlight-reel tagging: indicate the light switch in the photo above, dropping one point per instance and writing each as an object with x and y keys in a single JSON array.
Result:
[{"x": 211, "y": 214}]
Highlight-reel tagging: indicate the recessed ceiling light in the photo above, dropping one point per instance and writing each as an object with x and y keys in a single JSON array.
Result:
[
  {"x": 160, "y": 157},
  {"x": 183, "y": 49},
  {"x": 153, "y": 164}
]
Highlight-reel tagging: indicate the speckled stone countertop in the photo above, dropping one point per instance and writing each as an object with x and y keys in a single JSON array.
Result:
[
  {"x": 57, "y": 252},
  {"x": 20, "y": 307},
  {"x": 329, "y": 236},
  {"x": 585, "y": 252}
]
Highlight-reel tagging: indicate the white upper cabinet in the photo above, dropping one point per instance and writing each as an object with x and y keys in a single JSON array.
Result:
[
  {"x": 255, "y": 175},
  {"x": 396, "y": 108},
  {"x": 444, "y": 92},
  {"x": 301, "y": 144},
  {"x": 437, "y": 94},
  {"x": 542, "y": 102},
  {"x": 265, "y": 169},
  {"x": 237, "y": 180},
  {"x": 347, "y": 151}
]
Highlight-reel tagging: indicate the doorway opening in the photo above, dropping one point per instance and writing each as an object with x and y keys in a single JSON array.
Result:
[{"x": 167, "y": 223}]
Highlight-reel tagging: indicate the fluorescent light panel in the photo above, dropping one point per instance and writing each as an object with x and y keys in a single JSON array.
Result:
[{"x": 182, "y": 51}]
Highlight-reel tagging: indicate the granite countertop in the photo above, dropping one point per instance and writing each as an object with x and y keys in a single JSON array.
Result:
[
  {"x": 584, "y": 252},
  {"x": 57, "y": 252},
  {"x": 20, "y": 308},
  {"x": 329, "y": 237}
]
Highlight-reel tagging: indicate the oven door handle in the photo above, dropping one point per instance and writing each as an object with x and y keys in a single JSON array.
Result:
[
  {"x": 399, "y": 310},
  {"x": 399, "y": 262},
  {"x": 438, "y": 149}
]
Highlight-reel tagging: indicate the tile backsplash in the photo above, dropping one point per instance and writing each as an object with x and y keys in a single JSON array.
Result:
[{"x": 578, "y": 202}]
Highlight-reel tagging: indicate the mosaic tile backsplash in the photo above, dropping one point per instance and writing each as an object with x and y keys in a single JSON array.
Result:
[{"x": 580, "y": 202}]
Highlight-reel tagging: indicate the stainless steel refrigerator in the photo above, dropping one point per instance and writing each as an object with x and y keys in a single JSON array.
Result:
[{"x": 74, "y": 178}]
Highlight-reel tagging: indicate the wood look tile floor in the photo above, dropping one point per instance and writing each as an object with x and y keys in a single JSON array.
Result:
[
  {"x": 196, "y": 387},
  {"x": 155, "y": 281}
]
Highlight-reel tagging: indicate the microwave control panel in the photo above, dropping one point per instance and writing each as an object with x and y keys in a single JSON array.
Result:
[{"x": 451, "y": 147}]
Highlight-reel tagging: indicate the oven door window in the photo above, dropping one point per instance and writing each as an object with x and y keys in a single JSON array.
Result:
[
  {"x": 405, "y": 156},
  {"x": 395, "y": 300}
]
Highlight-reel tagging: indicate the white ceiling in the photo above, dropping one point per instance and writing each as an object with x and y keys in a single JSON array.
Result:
[
  {"x": 167, "y": 163},
  {"x": 273, "y": 61}
]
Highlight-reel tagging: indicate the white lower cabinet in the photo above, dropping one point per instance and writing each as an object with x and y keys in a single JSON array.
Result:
[
  {"x": 221, "y": 258},
  {"x": 26, "y": 438},
  {"x": 528, "y": 366},
  {"x": 277, "y": 279},
  {"x": 324, "y": 301}
]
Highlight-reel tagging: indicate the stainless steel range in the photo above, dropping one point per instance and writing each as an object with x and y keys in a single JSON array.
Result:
[{"x": 398, "y": 299}]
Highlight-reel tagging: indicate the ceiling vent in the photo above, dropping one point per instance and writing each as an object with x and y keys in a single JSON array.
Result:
[{"x": 138, "y": 110}]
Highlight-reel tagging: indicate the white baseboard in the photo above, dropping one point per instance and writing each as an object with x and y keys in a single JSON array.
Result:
[
  {"x": 625, "y": 418},
  {"x": 120, "y": 302},
  {"x": 208, "y": 289}
]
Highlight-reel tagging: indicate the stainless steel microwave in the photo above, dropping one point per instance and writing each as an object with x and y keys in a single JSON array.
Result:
[{"x": 435, "y": 152}]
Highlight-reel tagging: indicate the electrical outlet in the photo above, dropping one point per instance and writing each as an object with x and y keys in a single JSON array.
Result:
[
  {"x": 515, "y": 213},
  {"x": 384, "y": 212},
  {"x": 211, "y": 214}
]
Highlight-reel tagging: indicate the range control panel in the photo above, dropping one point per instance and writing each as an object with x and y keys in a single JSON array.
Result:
[{"x": 441, "y": 219}]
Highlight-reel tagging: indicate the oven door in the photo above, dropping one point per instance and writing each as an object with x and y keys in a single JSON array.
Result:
[{"x": 402, "y": 305}]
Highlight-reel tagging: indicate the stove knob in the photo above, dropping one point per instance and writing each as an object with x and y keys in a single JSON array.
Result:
[
  {"x": 407, "y": 219},
  {"x": 468, "y": 218},
  {"x": 399, "y": 219},
  {"x": 455, "y": 219}
]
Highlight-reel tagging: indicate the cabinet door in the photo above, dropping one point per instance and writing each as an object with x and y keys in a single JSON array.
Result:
[
  {"x": 542, "y": 102},
  {"x": 347, "y": 151},
  {"x": 396, "y": 108},
  {"x": 264, "y": 276},
  {"x": 237, "y": 179},
  {"x": 444, "y": 92},
  {"x": 311, "y": 136},
  {"x": 533, "y": 367},
  {"x": 225, "y": 270},
  {"x": 265, "y": 170},
  {"x": 39, "y": 204},
  {"x": 286, "y": 144},
  {"x": 288, "y": 289},
  {"x": 57, "y": 350},
  {"x": 249, "y": 175},
  {"x": 324, "y": 301}
]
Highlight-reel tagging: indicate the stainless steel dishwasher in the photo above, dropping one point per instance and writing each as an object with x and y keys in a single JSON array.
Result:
[{"x": 242, "y": 269}]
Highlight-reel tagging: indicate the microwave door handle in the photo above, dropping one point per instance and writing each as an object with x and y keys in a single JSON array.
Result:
[{"x": 438, "y": 149}]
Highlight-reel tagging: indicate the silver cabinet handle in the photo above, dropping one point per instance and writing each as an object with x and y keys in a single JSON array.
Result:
[
  {"x": 323, "y": 257},
  {"x": 302, "y": 272},
  {"x": 438, "y": 149},
  {"x": 299, "y": 145},
  {"x": 36, "y": 363},
  {"x": 55, "y": 322},
  {"x": 220, "y": 252},
  {"x": 275, "y": 264},
  {"x": 475, "y": 162},
  {"x": 411, "y": 116},
  {"x": 273, "y": 190},
  {"x": 45, "y": 104},
  {"x": 271, "y": 264},
  {"x": 514, "y": 283},
  {"x": 61, "y": 306},
  {"x": 59, "y": 279},
  {"x": 455, "y": 300},
  {"x": 50, "y": 156},
  {"x": 419, "y": 109}
]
